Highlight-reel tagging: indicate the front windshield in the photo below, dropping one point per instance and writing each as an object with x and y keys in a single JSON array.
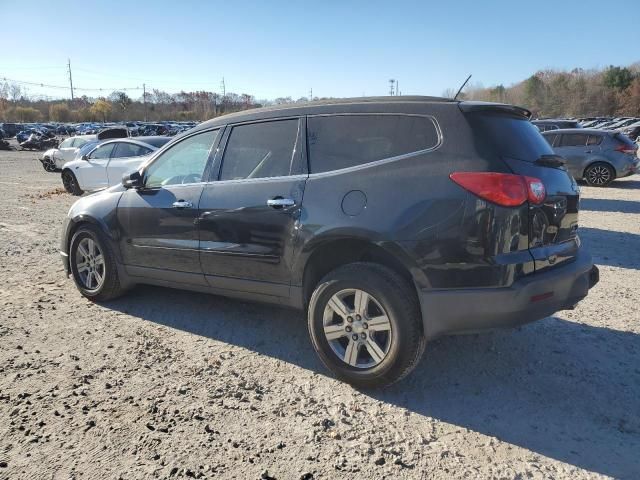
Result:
[{"x": 86, "y": 148}]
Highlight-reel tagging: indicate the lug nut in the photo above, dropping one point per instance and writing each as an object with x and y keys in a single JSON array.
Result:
[
  {"x": 365, "y": 325},
  {"x": 358, "y": 317},
  {"x": 354, "y": 336},
  {"x": 348, "y": 328},
  {"x": 349, "y": 319},
  {"x": 363, "y": 335}
]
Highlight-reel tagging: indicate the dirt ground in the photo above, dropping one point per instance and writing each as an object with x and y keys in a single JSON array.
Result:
[{"x": 168, "y": 384}]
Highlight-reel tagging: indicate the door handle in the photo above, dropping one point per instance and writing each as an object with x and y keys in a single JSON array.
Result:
[
  {"x": 279, "y": 202},
  {"x": 182, "y": 204}
]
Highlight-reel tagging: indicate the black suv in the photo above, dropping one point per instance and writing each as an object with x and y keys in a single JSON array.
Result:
[{"x": 390, "y": 221}]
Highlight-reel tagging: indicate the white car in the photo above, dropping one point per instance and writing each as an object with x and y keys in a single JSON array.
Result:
[
  {"x": 54, "y": 158},
  {"x": 106, "y": 163}
]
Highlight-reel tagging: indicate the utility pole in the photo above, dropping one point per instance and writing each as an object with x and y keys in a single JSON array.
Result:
[
  {"x": 144, "y": 100},
  {"x": 311, "y": 94},
  {"x": 224, "y": 90},
  {"x": 391, "y": 82},
  {"x": 397, "y": 88},
  {"x": 70, "y": 79}
]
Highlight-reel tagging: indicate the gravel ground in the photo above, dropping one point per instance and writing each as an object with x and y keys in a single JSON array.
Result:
[{"x": 166, "y": 384}]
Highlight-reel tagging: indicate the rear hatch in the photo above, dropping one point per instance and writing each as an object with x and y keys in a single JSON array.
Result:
[{"x": 553, "y": 224}]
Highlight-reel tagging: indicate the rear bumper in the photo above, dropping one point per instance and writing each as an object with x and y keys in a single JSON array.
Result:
[{"x": 531, "y": 298}]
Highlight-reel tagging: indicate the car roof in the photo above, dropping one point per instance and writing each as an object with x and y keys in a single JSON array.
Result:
[
  {"x": 317, "y": 106},
  {"x": 137, "y": 141},
  {"x": 587, "y": 131},
  {"x": 347, "y": 105}
]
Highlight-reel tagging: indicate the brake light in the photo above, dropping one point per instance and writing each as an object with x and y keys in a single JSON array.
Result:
[
  {"x": 504, "y": 189},
  {"x": 629, "y": 150}
]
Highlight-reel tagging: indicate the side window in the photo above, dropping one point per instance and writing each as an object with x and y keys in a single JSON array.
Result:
[
  {"x": 260, "y": 150},
  {"x": 343, "y": 141},
  {"x": 67, "y": 143},
  {"x": 551, "y": 137},
  {"x": 594, "y": 140},
  {"x": 104, "y": 151},
  {"x": 78, "y": 142},
  {"x": 124, "y": 149},
  {"x": 574, "y": 140},
  {"x": 182, "y": 163}
]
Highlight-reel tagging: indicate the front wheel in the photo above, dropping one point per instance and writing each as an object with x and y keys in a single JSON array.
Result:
[
  {"x": 599, "y": 175},
  {"x": 70, "y": 183},
  {"x": 93, "y": 265},
  {"x": 48, "y": 164},
  {"x": 365, "y": 324}
]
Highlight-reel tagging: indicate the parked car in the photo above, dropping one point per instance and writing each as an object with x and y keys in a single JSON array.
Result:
[
  {"x": 53, "y": 159},
  {"x": 390, "y": 221},
  {"x": 632, "y": 131},
  {"x": 554, "y": 124},
  {"x": 10, "y": 129},
  {"x": 104, "y": 165},
  {"x": 597, "y": 156}
]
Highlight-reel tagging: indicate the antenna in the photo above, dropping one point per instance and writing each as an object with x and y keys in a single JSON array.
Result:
[{"x": 465, "y": 82}]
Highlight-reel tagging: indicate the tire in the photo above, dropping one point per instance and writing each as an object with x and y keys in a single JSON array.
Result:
[
  {"x": 599, "y": 174},
  {"x": 106, "y": 285},
  {"x": 70, "y": 183},
  {"x": 389, "y": 295},
  {"x": 48, "y": 164}
]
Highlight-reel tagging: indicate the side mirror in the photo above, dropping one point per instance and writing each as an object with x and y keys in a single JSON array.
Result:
[
  {"x": 84, "y": 157},
  {"x": 132, "y": 180}
]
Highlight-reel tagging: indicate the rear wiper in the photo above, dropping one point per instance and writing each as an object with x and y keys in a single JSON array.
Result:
[{"x": 554, "y": 161}]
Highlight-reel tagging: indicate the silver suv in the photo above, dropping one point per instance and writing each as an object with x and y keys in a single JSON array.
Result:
[{"x": 597, "y": 156}]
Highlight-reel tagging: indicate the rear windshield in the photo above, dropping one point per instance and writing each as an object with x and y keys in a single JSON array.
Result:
[{"x": 508, "y": 136}]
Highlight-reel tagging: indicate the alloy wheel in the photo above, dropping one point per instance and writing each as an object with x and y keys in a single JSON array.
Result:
[
  {"x": 90, "y": 264},
  {"x": 599, "y": 175},
  {"x": 357, "y": 328}
]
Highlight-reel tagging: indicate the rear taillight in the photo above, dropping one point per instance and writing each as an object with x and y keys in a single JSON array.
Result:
[
  {"x": 629, "y": 150},
  {"x": 504, "y": 189}
]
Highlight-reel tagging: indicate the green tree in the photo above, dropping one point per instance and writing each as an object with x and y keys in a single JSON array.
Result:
[
  {"x": 535, "y": 94},
  {"x": 618, "y": 78}
]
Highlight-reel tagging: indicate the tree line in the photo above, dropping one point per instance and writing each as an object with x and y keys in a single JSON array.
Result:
[
  {"x": 155, "y": 105},
  {"x": 611, "y": 91},
  {"x": 614, "y": 90}
]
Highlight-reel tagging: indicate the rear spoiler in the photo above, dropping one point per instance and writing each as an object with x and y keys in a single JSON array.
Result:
[{"x": 468, "y": 107}]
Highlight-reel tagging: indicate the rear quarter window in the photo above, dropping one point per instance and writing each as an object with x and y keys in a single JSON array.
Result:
[
  {"x": 508, "y": 136},
  {"x": 342, "y": 141}
]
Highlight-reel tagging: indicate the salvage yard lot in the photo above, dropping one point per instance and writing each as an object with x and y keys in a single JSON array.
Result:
[{"x": 165, "y": 383}]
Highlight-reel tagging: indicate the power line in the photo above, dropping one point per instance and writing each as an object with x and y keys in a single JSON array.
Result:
[{"x": 46, "y": 85}]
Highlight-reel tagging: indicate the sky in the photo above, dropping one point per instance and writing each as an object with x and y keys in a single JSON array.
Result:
[{"x": 276, "y": 49}]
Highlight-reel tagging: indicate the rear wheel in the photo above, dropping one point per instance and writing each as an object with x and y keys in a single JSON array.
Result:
[
  {"x": 599, "y": 175},
  {"x": 93, "y": 265},
  {"x": 365, "y": 324},
  {"x": 70, "y": 183}
]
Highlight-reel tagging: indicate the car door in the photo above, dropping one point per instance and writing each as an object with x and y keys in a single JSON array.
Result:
[
  {"x": 92, "y": 171},
  {"x": 573, "y": 147},
  {"x": 125, "y": 158},
  {"x": 158, "y": 222},
  {"x": 249, "y": 214}
]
